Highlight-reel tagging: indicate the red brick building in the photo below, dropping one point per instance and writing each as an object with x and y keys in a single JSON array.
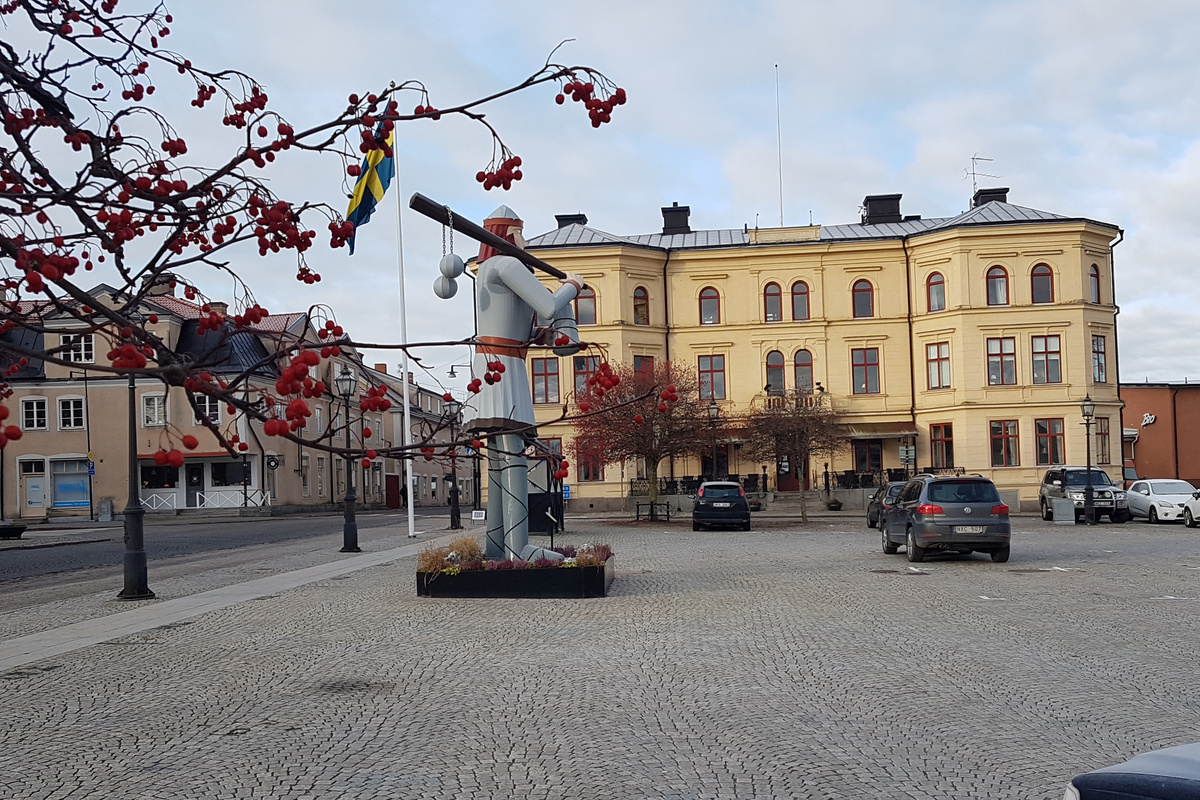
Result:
[{"x": 1162, "y": 429}]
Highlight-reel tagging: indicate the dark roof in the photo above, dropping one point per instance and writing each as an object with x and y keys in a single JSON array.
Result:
[
  {"x": 988, "y": 214},
  {"x": 225, "y": 350},
  {"x": 27, "y": 340}
]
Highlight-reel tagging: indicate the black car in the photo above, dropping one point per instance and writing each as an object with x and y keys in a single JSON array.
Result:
[
  {"x": 883, "y": 499},
  {"x": 1172, "y": 773},
  {"x": 721, "y": 503}
]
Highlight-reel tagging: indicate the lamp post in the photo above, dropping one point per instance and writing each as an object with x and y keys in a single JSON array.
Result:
[
  {"x": 346, "y": 383},
  {"x": 1088, "y": 409},
  {"x": 136, "y": 581},
  {"x": 714, "y": 414},
  {"x": 453, "y": 407}
]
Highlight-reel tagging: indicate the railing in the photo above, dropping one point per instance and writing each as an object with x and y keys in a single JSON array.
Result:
[
  {"x": 232, "y": 499},
  {"x": 159, "y": 502},
  {"x": 640, "y": 487}
]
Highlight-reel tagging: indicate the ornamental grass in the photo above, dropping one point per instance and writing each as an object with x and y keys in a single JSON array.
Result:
[{"x": 464, "y": 554}]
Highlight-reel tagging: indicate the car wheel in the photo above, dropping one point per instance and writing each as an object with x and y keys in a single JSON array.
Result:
[
  {"x": 871, "y": 523},
  {"x": 745, "y": 526},
  {"x": 1153, "y": 515},
  {"x": 889, "y": 547},
  {"x": 915, "y": 554},
  {"x": 1047, "y": 512},
  {"x": 695, "y": 526},
  {"x": 1120, "y": 516},
  {"x": 1188, "y": 519},
  {"x": 1000, "y": 556}
]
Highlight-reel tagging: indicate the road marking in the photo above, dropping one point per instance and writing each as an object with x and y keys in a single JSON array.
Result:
[
  {"x": 985, "y": 597},
  {"x": 1173, "y": 597}
]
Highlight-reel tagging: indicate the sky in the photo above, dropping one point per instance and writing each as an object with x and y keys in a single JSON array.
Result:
[{"x": 1087, "y": 109}]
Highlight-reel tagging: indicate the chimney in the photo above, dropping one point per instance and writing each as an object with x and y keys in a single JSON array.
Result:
[
  {"x": 381, "y": 368},
  {"x": 564, "y": 220},
  {"x": 983, "y": 196},
  {"x": 881, "y": 208},
  {"x": 219, "y": 307},
  {"x": 160, "y": 285},
  {"x": 675, "y": 219}
]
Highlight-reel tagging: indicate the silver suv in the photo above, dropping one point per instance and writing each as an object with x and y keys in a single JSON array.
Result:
[
  {"x": 962, "y": 514},
  {"x": 1070, "y": 483}
]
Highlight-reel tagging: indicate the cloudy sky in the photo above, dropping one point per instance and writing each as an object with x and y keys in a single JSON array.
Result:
[{"x": 1087, "y": 108}]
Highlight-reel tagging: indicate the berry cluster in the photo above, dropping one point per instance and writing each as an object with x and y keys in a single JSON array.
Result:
[
  {"x": 279, "y": 229},
  {"x": 340, "y": 232},
  {"x": 503, "y": 177},
  {"x": 494, "y": 370},
  {"x": 174, "y": 147},
  {"x": 257, "y": 101},
  {"x": 599, "y": 109},
  {"x": 667, "y": 395},
  {"x": 563, "y": 469},
  {"x": 251, "y": 316},
  {"x": 210, "y": 320},
  {"x": 129, "y": 356},
  {"x": 8, "y": 432},
  {"x": 427, "y": 111},
  {"x": 172, "y": 458},
  {"x": 331, "y": 329},
  {"x": 77, "y": 140},
  {"x": 294, "y": 378},
  {"x": 428, "y": 452},
  {"x": 375, "y": 400}
]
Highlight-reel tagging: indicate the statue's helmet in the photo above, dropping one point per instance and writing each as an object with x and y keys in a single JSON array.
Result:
[{"x": 503, "y": 222}]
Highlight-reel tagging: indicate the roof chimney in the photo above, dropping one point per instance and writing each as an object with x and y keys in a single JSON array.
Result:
[
  {"x": 219, "y": 307},
  {"x": 675, "y": 219},
  {"x": 983, "y": 196},
  {"x": 381, "y": 368},
  {"x": 570, "y": 219},
  {"x": 159, "y": 285},
  {"x": 881, "y": 208}
]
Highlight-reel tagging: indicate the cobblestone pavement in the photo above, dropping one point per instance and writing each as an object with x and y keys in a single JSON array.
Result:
[{"x": 785, "y": 662}]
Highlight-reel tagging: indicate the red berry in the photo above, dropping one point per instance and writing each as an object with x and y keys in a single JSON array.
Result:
[
  {"x": 190, "y": 442},
  {"x": 662, "y": 406},
  {"x": 639, "y": 419}
]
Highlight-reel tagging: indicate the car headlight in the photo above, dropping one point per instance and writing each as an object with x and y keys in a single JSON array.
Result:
[
  {"x": 1076, "y": 495},
  {"x": 1118, "y": 495},
  {"x": 1165, "y": 504}
]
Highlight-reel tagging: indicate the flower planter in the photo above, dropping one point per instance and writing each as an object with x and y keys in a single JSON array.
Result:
[
  {"x": 13, "y": 531},
  {"x": 834, "y": 505},
  {"x": 543, "y": 582}
]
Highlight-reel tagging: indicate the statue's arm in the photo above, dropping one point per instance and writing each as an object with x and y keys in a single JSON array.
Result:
[{"x": 517, "y": 277}]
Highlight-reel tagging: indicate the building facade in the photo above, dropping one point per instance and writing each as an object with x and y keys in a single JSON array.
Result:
[
  {"x": 972, "y": 338},
  {"x": 1162, "y": 422}
]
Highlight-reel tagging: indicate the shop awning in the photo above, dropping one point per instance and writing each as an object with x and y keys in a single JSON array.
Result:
[{"x": 880, "y": 430}]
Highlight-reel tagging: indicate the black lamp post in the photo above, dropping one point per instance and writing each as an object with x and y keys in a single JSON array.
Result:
[
  {"x": 346, "y": 383},
  {"x": 453, "y": 407},
  {"x": 136, "y": 581},
  {"x": 1088, "y": 409},
  {"x": 714, "y": 414}
]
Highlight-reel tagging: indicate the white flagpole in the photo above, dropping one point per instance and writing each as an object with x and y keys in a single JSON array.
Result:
[{"x": 408, "y": 481}]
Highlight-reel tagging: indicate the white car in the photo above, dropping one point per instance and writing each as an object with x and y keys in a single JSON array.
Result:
[
  {"x": 1160, "y": 500},
  {"x": 1191, "y": 511}
]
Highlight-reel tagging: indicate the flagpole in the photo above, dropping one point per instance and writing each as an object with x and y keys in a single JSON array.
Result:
[{"x": 408, "y": 481}]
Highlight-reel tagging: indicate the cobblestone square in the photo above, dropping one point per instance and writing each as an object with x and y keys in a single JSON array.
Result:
[{"x": 791, "y": 661}]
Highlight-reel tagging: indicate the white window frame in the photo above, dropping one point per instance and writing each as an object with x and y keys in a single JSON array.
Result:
[
  {"x": 85, "y": 353},
  {"x": 45, "y": 413},
  {"x": 213, "y": 406},
  {"x": 82, "y": 413},
  {"x": 305, "y": 486},
  {"x": 320, "y": 476},
  {"x": 146, "y": 406}
]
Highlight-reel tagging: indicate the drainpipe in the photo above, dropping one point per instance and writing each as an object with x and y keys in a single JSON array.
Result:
[
  {"x": 1112, "y": 279},
  {"x": 912, "y": 358},
  {"x": 667, "y": 341},
  {"x": 1174, "y": 433}
]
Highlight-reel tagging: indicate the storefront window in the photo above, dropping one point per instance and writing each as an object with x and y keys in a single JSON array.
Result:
[{"x": 70, "y": 482}]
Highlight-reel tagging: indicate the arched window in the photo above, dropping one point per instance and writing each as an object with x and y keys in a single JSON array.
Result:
[
  {"x": 1042, "y": 283},
  {"x": 710, "y": 306},
  {"x": 585, "y": 307},
  {"x": 641, "y": 306},
  {"x": 804, "y": 376},
  {"x": 1095, "y": 283},
  {"x": 799, "y": 300},
  {"x": 775, "y": 372},
  {"x": 773, "y": 303},
  {"x": 935, "y": 292},
  {"x": 864, "y": 299},
  {"x": 997, "y": 287}
]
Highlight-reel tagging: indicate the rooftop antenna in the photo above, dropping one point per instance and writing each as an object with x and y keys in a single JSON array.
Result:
[
  {"x": 974, "y": 172},
  {"x": 779, "y": 145}
]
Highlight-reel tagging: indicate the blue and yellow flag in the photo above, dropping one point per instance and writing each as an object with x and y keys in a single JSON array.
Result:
[{"x": 377, "y": 172}]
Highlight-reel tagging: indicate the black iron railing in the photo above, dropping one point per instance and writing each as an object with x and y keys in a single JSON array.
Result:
[{"x": 640, "y": 487}]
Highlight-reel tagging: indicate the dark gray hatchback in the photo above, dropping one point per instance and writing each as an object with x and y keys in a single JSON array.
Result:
[
  {"x": 721, "y": 503},
  {"x": 960, "y": 514}
]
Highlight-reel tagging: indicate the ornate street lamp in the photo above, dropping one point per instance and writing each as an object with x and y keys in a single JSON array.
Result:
[
  {"x": 453, "y": 408},
  {"x": 1088, "y": 409},
  {"x": 714, "y": 414},
  {"x": 346, "y": 383},
  {"x": 136, "y": 580}
]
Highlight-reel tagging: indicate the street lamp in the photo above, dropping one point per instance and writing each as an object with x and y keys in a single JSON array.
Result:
[
  {"x": 714, "y": 414},
  {"x": 346, "y": 383},
  {"x": 136, "y": 581},
  {"x": 453, "y": 407},
  {"x": 1088, "y": 409}
]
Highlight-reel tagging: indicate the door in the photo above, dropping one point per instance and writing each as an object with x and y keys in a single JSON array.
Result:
[
  {"x": 393, "y": 490},
  {"x": 33, "y": 495},
  {"x": 194, "y": 477}
]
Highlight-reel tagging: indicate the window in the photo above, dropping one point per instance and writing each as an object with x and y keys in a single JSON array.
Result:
[
  {"x": 208, "y": 407},
  {"x": 864, "y": 299},
  {"x": 1002, "y": 362},
  {"x": 937, "y": 359},
  {"x": 1094, "y": 281},
  {"x": 70, "y": 414},
  {"x": 1005, "y": 452},
  {"x": 69, "y": 482},
  {"x": 585, "y": 307},
  {"x": 1047, "y": 360},
  {"x": 553, "y": 444},
  {"x": 590, "y": 469},
  {"x": 866, "y": 370},
  {"x": 773, "y": 303},
  {"x": 641, "y": 306},
  {"x": 585, "y": 367},
  {"x": 154, "y": 410},
  {"x": 799, "y": 300},
  {"x": 433, "y": 486},
  {"x": 1042, "y": 284},
  {"x": 710, "y": 306},
  {"x": 941, "y": 445},
  {"x": 868, "y": 456},
  {"x": 160, "y": 477},
  {"x": 230, "y": 473},
  {"x": 804, "y": 372},
  {"x": 1050, "y": 447},
  {"x": 78, "y": 348},
  {"x": 712, "y": 377},
  {"x": 304, "y": 488},
  {"x": 545, "y": 380},
  {"x": 997, "y": 287},
  {"x": 643, "y": 365},
  {"x": 33, "y": 414},
  {"x": 935, "y": 292},
  {"x": 1099, "y": 365},
  {"x": 775, "y": 372},
  {"x": 1103, "y": 454}
]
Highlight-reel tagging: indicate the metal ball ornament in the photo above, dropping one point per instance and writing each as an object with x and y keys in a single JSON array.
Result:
[
  {"x": 444, "y": 287},
  {"x": 452, "y": 266}
]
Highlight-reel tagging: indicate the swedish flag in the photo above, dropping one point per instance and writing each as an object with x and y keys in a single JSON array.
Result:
[{"x": 377, "y": 171}]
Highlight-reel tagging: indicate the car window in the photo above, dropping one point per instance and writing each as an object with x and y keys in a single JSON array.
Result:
[
  {"x": 1140, "y": 488},
  {"x": 911, "y": 492},
  {"x": 1079, "y": 478},
  {"x": 894, "y": 491},
  {"x": 1051, "y": 477},
  {"x": 720, "y": 492},
  {"x": 1172, "y": 487},
  {"x": 963, "y": 492}
]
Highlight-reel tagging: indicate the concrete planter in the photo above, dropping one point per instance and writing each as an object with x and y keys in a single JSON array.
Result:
[
  {"x": 14, "y": 531},
  {"x": 545, "y": 582}
]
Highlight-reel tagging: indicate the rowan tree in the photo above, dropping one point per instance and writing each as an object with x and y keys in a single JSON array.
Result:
[{"x": 94, "y": 176}]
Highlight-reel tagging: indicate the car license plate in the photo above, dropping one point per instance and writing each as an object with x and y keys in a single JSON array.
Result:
[
  {"x": 721, "y": 505},
  {"x": 969, "y": 528}
]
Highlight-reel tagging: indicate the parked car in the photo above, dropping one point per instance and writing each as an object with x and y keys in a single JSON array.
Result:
[
  {"x": 1160, "y": 500},
  {"x": 1191, "y": 511},
  {"x": 962, "y": 514},
  {"x": 720, "y": 503},
  {"x": 1172, "y": 773},
  {"x": 884, "y": 498},
  {"x": 1108, "y": 499}
]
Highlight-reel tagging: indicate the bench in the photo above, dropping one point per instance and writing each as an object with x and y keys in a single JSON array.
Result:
[{"x": 663, "y": 510}]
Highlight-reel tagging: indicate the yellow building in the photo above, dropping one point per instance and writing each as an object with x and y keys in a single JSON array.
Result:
[{"x": 972, "y": 337}]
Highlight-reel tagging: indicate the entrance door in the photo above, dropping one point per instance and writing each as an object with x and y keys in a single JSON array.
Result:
[
  {"x": 393, "y": 490},
  {"x": 33, "y": 496},
  {"x": 789, "y": 476},
  {"x": 194, "y": 476}
]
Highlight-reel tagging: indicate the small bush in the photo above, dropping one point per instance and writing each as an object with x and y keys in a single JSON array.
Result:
[
  {"x": 432, "y": 559},
  {"x": 566, "y": 550},
  {"x": 542, "y": 563},
  {"x": 467, "y": 548},
  {"x": 499, "y": 564}
]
